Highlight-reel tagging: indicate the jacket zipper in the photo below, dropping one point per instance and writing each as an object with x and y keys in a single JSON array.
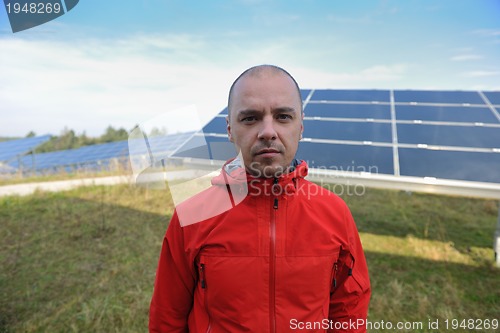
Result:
[
  {"x": 203, "y": 282},
  {"x": 335, "y": 269},
  {"x": 272, "y": 264}
]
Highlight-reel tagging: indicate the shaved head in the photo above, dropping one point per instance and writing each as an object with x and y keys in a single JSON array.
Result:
[
  {"x": 259, "y": 71},
  {"x": 265, "y": 119}
]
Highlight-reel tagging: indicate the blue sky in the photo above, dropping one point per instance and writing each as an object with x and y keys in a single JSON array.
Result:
[{"x": 122, "y": 63}]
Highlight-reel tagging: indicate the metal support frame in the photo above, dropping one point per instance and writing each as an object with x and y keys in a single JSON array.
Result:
[{"x": 496, "y": 240}]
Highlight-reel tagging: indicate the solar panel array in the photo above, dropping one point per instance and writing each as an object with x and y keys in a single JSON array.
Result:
[
  {"x": 96, "y": 155},
  {"x": 10, "y": 150},
  {"x": 441, "y": 134}
]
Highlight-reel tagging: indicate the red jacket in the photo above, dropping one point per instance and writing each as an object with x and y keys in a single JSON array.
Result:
[{"x": 287, "y": 258}]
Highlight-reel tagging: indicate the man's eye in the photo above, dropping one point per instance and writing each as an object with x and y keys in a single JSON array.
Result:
[
  {"x": 248, "y": 119},
  {"x": 284, "y": 116}
]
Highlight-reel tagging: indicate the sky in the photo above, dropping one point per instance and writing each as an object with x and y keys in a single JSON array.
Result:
[{"x": 124, "y": 63}]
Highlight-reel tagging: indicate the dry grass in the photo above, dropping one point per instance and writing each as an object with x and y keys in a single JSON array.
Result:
[{"x": 84, "y": 260}]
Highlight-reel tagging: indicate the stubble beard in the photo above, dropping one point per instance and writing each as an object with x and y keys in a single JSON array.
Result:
[{"x": 263, "y": 170}]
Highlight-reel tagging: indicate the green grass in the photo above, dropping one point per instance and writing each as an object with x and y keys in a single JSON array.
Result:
[
  {"x": 85, "y": 260},
  {"x": 430, "y": 257},
  {"x": 80, "y": 261}
]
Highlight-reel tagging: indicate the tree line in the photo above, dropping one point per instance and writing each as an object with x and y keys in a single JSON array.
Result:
[{"x": 68, "y": 139}]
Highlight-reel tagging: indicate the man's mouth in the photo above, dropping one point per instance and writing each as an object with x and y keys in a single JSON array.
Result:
[{"x": 267, "y": 152}]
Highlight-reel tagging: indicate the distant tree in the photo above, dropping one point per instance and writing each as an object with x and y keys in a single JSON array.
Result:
[
  {"x": 84, "y": 140},
  {"x": 112, "y": 134},
  {"x": 155, "y": 131},
  {"x": 6, "y": 138},
  {"x": 68, "y": 139},
  {"x": 30, "y": 134}
]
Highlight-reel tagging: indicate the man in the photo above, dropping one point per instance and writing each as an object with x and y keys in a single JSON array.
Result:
[{"x": 287, "y": 257}]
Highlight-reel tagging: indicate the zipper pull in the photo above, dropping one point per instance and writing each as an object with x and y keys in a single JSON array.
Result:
[
  {"x": 335, "y": 267},
  {"x": 352, "y": 267},
  {"x": 203, "y": 282},
  {"x": 275, "y": 206}
]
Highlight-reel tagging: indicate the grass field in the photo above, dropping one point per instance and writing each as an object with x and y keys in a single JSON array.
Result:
[{"x": 85, "y": 260}]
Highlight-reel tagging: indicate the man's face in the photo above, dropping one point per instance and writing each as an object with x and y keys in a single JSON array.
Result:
[{"x": 266, "y": 122}]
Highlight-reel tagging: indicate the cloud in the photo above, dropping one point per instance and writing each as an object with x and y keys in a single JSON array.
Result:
[
  {"x": 275, "y": 19},
  {"x": 384, "y": 72},
  {"x": 373, "y": 76},
  {"x": 487, "y": 32},
  {"x": 494, "y": 34},
  {"x": 480, "y": 73},
  {"x": 89, "y": 84},
  {"x": 365, "y": 19},
  {"x": 466, "y": 57}
]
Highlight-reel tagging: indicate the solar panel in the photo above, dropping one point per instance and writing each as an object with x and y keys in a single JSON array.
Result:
[
  {"x": 445, "y": 97},
  {"x": 347, "y": 131},
  {"x": 304, "y": 93},
  {"x": 91, "y": 156},
  {"x": 342, "y": 110},
  {"x": 13, "y": 148},
  {"x": 216, "y": 125},
  {"x": 451, "y": 135},
  {"x": 446, "y": 113},
  {"x": 351, "y": 95},
  {"x": 493, "y": 97},
  {"x": 461, "y": 136},
  {"x": 356, "y": 158},
  {"x": 208, "y": 148},
  {"x": 470, "y": 166}
]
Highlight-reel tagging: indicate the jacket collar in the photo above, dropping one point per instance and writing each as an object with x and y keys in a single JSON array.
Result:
[{"x": 234, "y": 174}]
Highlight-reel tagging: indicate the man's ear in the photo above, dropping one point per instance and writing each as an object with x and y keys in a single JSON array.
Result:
[
  {"x": 228, "y": 128},
  {"x": 302, "y": 126}
]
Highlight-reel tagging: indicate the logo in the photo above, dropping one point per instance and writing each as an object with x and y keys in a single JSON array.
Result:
[{"x": 25, "y": 14}]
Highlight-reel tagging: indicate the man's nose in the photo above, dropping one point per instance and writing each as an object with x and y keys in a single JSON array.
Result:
[{"x": 267, "y": 130}]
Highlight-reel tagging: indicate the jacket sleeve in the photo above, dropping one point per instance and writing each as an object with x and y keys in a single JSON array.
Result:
[
  {"x": 351, "y": 291},
  {"x": 174, "y": 284}
]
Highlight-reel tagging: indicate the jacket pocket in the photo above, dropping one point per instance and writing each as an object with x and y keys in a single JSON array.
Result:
[
  {"x": 232, "y": 295},
  {"x": 345, "y": 272},
  {"x": 342, "y": 269}
]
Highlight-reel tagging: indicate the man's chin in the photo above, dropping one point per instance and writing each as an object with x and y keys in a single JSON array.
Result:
[{"x": 263, "y": 170}]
